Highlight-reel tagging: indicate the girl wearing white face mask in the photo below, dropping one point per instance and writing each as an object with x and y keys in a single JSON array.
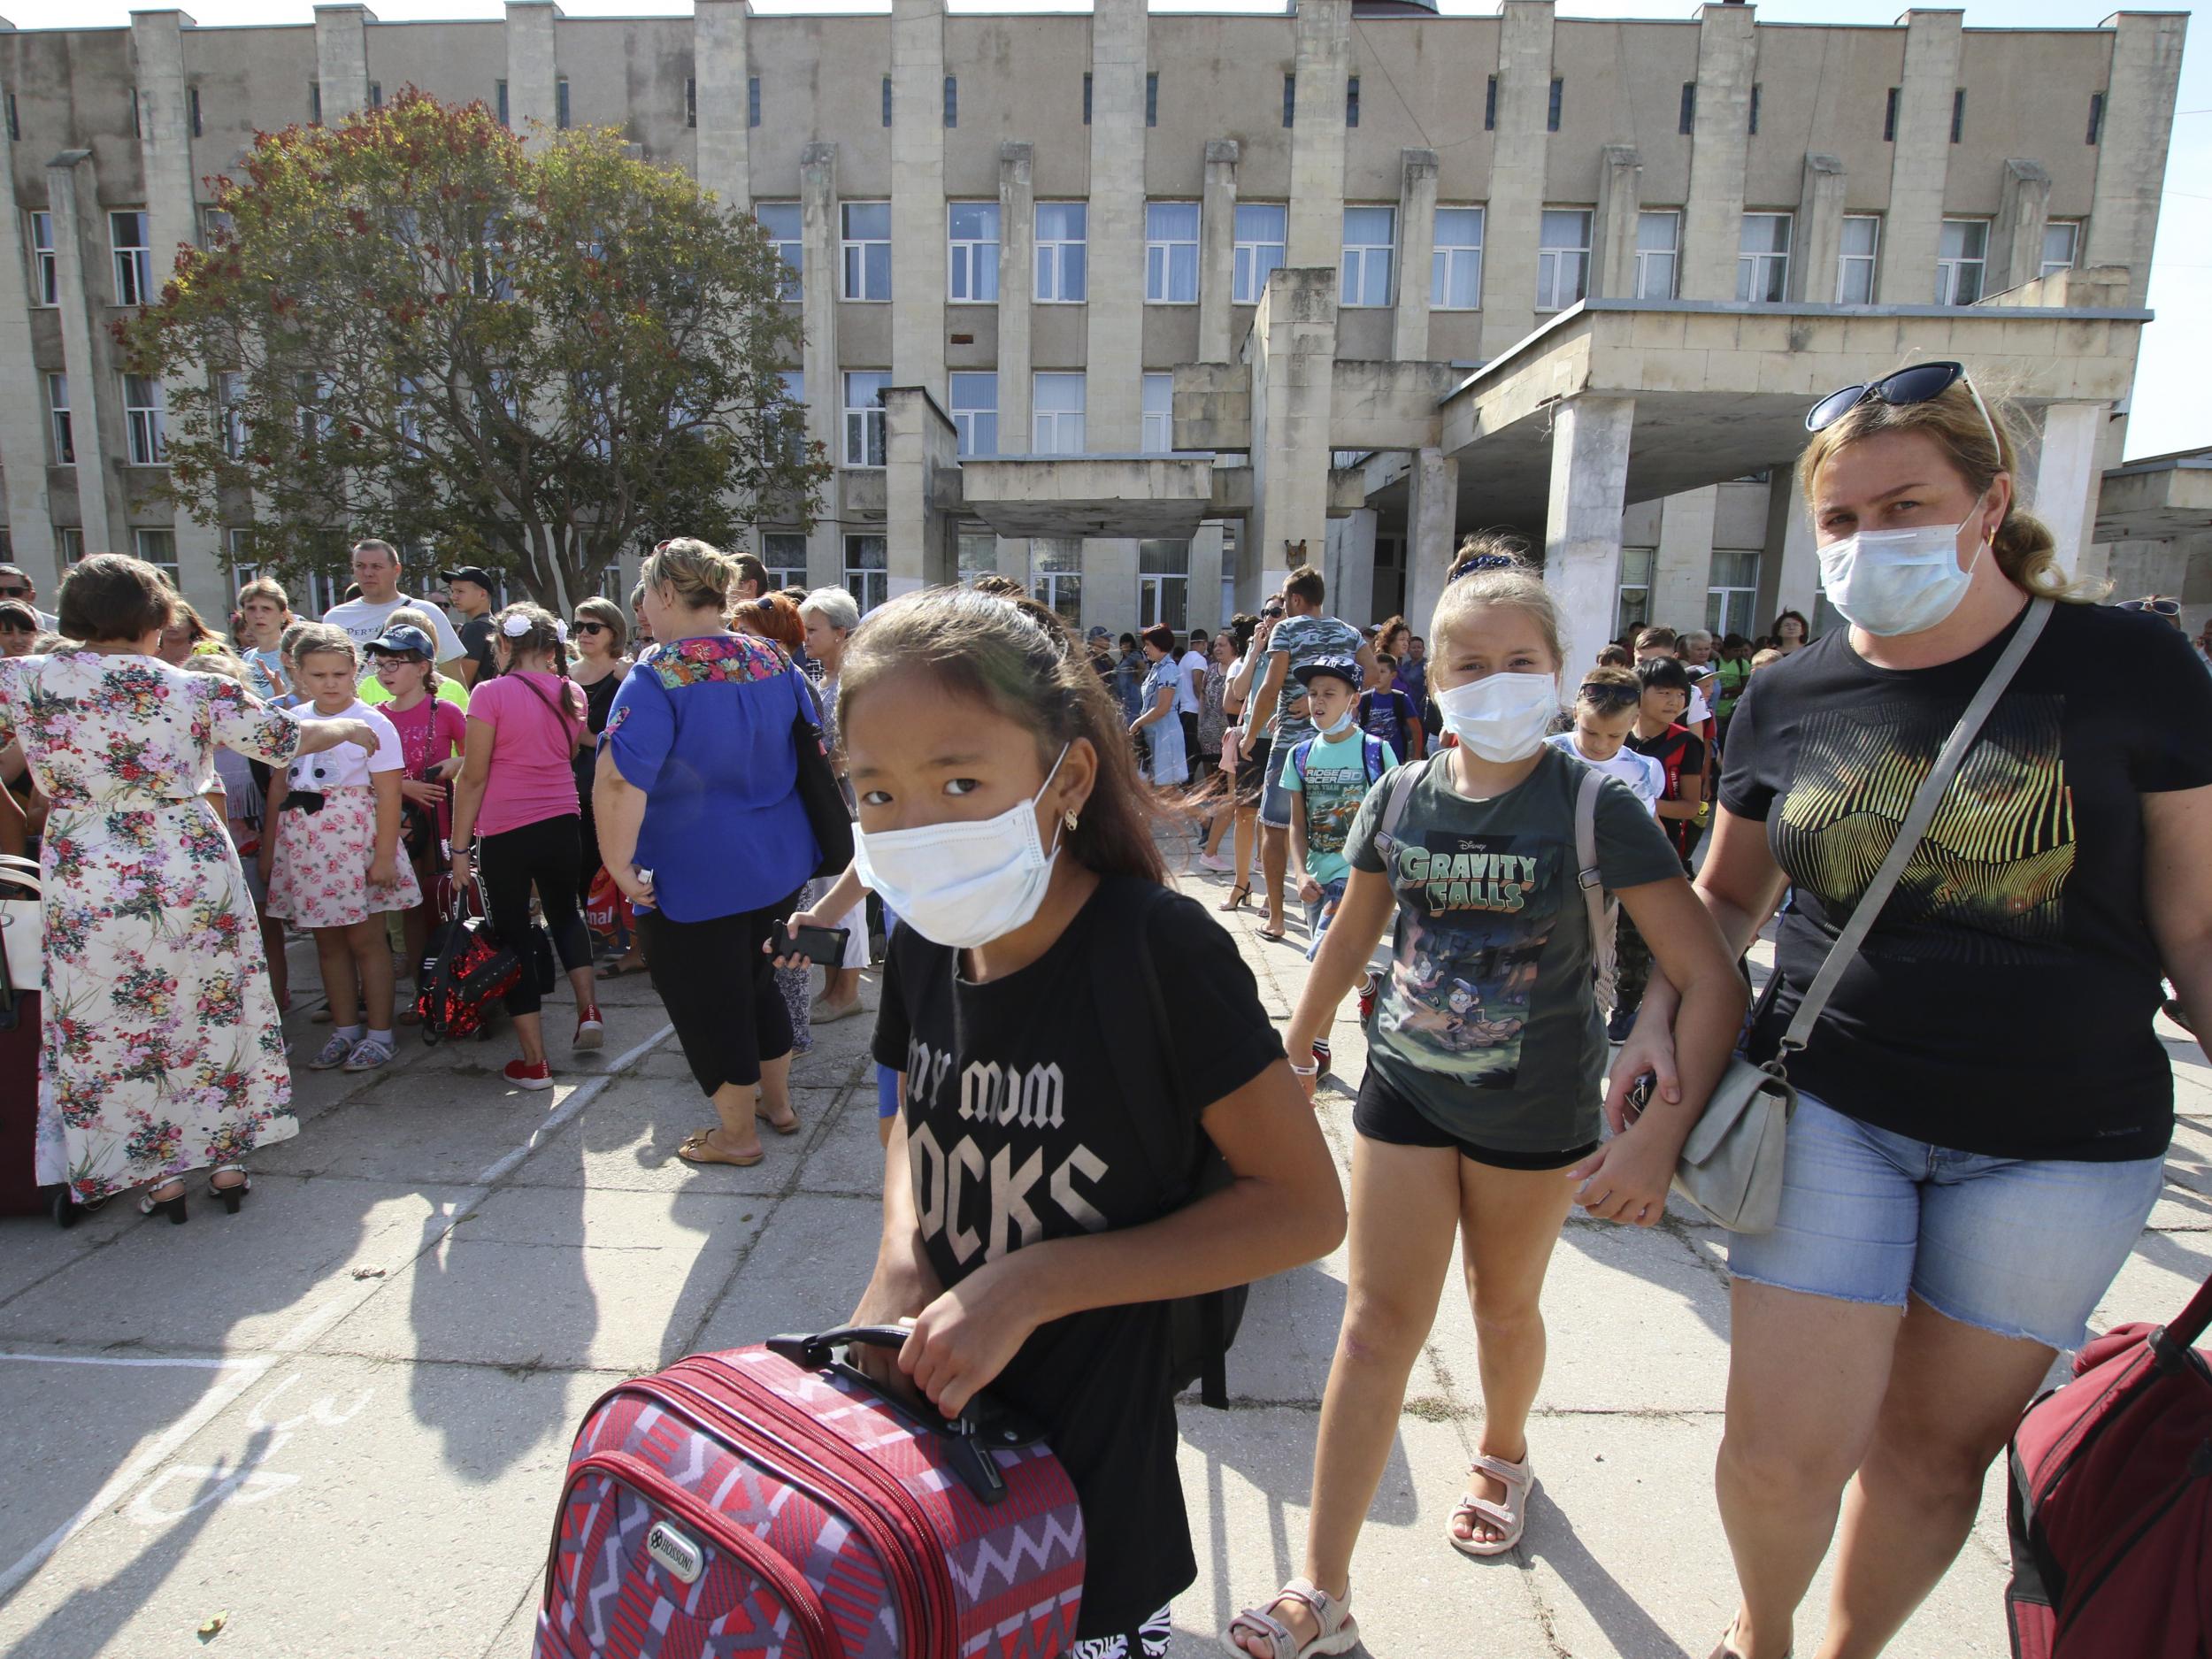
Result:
[
  {"x": 1038, "y": 1204},
  {"x": 1962, "y": 1178},
  {"x": 1478, "y": 1114}
]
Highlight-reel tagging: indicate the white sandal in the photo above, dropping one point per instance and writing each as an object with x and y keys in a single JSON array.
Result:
[
  {"x": 1510, "y": 1517},
  {"x": 1338, "y": 1632}
]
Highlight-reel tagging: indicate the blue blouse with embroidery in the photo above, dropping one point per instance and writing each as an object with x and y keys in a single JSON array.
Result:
[{"x": 704, "y": 728}]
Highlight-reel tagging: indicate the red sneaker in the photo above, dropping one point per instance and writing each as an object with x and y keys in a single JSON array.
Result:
[
  {"x": 524, "y": 1075},
  {"x": 591, "y": 1032}
]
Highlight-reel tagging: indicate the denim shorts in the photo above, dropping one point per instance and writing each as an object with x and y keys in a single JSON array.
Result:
[
  {"x": 1276, "y": 804},
  {"x": 2023, "y": 1247}
]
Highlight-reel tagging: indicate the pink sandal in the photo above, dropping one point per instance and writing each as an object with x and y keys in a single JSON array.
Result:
[
  {"x": 1510, "y": 1517},
  {"x": 1338, "y": 1632}
]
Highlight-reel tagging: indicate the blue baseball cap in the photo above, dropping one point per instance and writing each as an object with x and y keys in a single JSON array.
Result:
[
  {"x": 1343, "y": 668},
  {"x": 404, "y": 641}
]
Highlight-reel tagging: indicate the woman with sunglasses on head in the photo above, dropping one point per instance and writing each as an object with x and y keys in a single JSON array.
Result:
[
  {"x": 598, "y": 634},
  {"x": 1961, "y": 1179}
]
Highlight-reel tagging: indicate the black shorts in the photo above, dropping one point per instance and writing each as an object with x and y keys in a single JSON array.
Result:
[
  {"x": 1252, "y": 771},
  {"x": 1383, "y": 1114},
  {"x": 719, "y": 989}
]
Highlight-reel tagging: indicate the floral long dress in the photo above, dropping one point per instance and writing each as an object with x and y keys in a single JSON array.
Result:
[{"x": 161, "y": 1047}]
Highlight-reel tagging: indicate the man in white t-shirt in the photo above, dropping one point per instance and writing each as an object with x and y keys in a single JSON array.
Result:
[
  {"x": 376, "y": 571},
  {"x": 1190, "y": 692}
]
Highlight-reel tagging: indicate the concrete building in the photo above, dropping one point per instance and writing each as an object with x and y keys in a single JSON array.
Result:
[{"x": 1142, "y": 307}]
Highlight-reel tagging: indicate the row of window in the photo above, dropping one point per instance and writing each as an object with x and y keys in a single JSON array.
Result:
[
  {"x": 1731, "y": 594},
  {"x": 1055, "y": 573},
  {"x": 1057, "y": 401},
  {"x": 142, "y": 420}
]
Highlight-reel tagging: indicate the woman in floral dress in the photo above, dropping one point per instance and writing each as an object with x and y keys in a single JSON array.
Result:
[{"x": 162, "y": 1052}]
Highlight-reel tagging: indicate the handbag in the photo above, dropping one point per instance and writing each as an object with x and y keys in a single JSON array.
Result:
[
  {"x": 824, "y": 802},
  {"x": 1730, "y": 1169}
]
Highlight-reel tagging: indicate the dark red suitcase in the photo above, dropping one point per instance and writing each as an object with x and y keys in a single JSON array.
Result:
[
  {"x": 765, "y": 1501},
  {"x": 20, "y": 1194}
]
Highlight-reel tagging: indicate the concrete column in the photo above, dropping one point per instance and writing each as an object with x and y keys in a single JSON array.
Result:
[
  {"x": 1712, "y": 220},
  {"x": 1432, "y": 532},
  {"x": 2063, "y": 476},
  {"x": 2139, "y": 121},
  {"x": 818, "y": 306},
  {"x": 1920, "y": 159},
  {"x": 1113, "y": 417},
  {"x": 1351, "y": 570},
  {"x": 533, "y": 65},
  {"x": 1789, "y": 567},
  {"x": 1513, "y": 219},
  {"x": 2023, "y": 208},
  {"x": 23, "y": 416},
  {"x": 1292, "y": 352},
  {"x": 341, "y": 59},
  {"x": 1682, "y": 567},
  {"x": 1205, "y": 578},
  {"x": 1582, "y": 529},
  {"x": 1817, "y": 237},
  {"x": 1613, "y": 227},
  {"x": 73, "y": 193},
  {"x": 721, "y": 66},
  {"x": 1316, "y": 134},
  {"x": 1217, "y": 250},
  {"x": 920, "y": 449},
  {"x": 1416, "y": 243},
  {"x": 1110, "y": 583},
  {"x": 918, "y": 195},
  {"x": 1016, "y": 289}
]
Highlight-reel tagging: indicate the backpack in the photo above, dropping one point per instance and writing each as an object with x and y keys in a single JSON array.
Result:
[
  {"x": 1371, "y": 754},
  {"x": 1202, "y": 1329}
]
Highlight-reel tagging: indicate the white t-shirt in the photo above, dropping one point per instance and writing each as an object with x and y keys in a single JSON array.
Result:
[
  {"x": 1646, "y": 776},
  {"x": 346, "y": 767},
  {"x": 1187, "y": 701},
  {"x": 362, "y": 620}
]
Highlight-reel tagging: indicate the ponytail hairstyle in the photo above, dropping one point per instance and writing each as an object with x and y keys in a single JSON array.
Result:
[
  {"x": 1488, "y": 570},
  {"x": 533, "y": 630},
  {"x": 697, "y": 576},
  {"x": 1014, "y": 657}
]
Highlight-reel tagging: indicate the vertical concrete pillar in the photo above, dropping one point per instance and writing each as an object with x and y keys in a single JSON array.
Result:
[
  {"x": 721, "y": 69},
  {"x": 1432, "y": 532},
  {"x": 1682, "y": 567},
  {"x": 1317, "y": 135},
  {"x": 1291, "y": 351},
  {"x": 1351, "y": 570},
  {"x": 1582, "y": 528},
  {"x": 824, "y": 392},
  {"x": 1712, "y": 220},
  {"x": 341, "y": 59},
  {"x": 23, "y": 416},
  {"x": 1217, "y": 250},
  {"x": 1417, "y": 245},
  {"x": 921, "y": 461},
  {"x": 1819, "y": 239},
  {"x": 1205, "y": 578},
  {"x": 918, "y": 195},
  {"x": 1613, "y": 227},
  {"x": 1110, "y": 583},
  {"x": 534, "y": 65},
  {"x": 73, "y": 193},
  {"x": 1016, "y": 289},
  {"x": 2063, "y": 476},
  {"x": 2023, "y": 208},
  {"x": 1789, "y": 567},
  {"x": 1920, "y": 159},
  {"x": 2139, "y": 122},
  {"x": 1513, "y": 220},
  {"x": 1113, "y": 418}
]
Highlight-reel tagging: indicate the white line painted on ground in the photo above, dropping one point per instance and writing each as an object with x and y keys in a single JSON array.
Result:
[{"x": 195, "y": 1362}]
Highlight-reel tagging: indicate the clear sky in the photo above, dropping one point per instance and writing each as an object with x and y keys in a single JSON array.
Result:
[{"x": 2166, "y": 414}]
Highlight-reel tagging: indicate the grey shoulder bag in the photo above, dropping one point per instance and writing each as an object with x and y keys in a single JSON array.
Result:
[{"x": 1731, "y": 1164}]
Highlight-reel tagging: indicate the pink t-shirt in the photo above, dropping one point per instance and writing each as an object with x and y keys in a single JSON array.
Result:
[{"x": 532, "y": 777}]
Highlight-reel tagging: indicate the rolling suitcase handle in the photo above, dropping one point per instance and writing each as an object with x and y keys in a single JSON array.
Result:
[{"x": 2172, "y": 1343}]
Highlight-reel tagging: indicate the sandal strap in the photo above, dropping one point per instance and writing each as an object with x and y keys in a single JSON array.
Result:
[
  {"x": 1329, "y": 1612},
  {"x": 1269, "y": 1629},
  {"x": 1325, "y": 1608},
  {"x": 1498, "y": 1514},
  {"x": 1520, "y": 1477}
]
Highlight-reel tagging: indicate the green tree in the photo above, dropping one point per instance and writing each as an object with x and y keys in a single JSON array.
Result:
[{"x": 529, "y": 356}]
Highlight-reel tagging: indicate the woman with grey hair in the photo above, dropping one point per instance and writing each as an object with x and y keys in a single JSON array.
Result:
[{"x": 831, "y": 615}]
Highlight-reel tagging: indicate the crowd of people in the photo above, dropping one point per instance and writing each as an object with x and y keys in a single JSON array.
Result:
[{"x": 1960, "y": 1186}]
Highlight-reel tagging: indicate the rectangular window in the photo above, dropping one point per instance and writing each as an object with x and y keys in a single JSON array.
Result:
[
  {"x": 1263, "y": 230},
  {"x": 1152, "y": 97},
  {"x": 1163, "y": 584},
  {"x": 230, "y": 394},
  {"x": 215, "y": 225},
  {"x": 1171, "y": 253},
  {"x": 1685, "y": 122},
  {"x": 15, "y": 127},
  {"x": 975, "y": 411},
  {"x": 863, "y": 416},
  {"x": 315, "y": 103},
  {"x": 1087, "y": 97},
  {"x": 1755, "y": 109},
  {"x": 886, "y": 100},
  {"x": 1958, "y": 113},
  {"x": 867, "y": 248},
  {"x": 1563, "y": 259},
  {"x": 1159, "y": 414},
  {"x": 2096, "y": 116},
  {"x": 376, "y": 95},
  {"x": 1490, "y": 106},
  {"x": 65, "y": 428},
  {"x": 1061, "y": 229},
  {"x": 1632, "y": 608},
  {"x": 752, "y": 101},
  {"x": 560, "y": 102},
  {"x": 1371, "y": 240},
  {"x": 790, "y": 437},
  {"x": 1058, "y": 404},
  {"x": 503, "y": 121},
  {"x": 1658, "y": 254},
  {"x": 1056, "y": 575},
  {"x": 1854, "y": 266},
  {"x": 974, "y": 232},
  {"x": 1290, "y": 99},
  {"x": 69, "y": 543},
  {"x": 1733, "y": 594},
  {"x": 1889, "y": 115},
  {"x": 1351, "y": 101},
  {"x": 1962, "y": 261},
  {"x": 979, "y": 556},
  {"x": 45, "y": 273},
  {"x": 784, "y": 553},
  {"x": 691, "y": 102},
  {"x": 1762, "y": 259},
  {"x": 2062, "y": 244},
  {"x": 191, "y": 108},
  {"x": 1558, "y": 99},
  {"x": 1455, "y": 262},
  {"x": 158, "y": 549},
  {"x": 781, "y": 221},
  {"x": 952, "y": 101},
  {"x": 867, "y": 571},
  {"x": 142, "y": 417},
  {"x": 133, "y": 242}
]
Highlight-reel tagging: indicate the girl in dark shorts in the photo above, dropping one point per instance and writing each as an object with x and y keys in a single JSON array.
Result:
[{"x": 1479, "y": 1112}]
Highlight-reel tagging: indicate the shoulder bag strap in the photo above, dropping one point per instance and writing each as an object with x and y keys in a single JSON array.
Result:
[
  {"x": 1593, "y": 883},
  {"x": 1917, "y": 817},
  {"x": 570, "y": 724},
  {"x": 1402, "y": 782}
]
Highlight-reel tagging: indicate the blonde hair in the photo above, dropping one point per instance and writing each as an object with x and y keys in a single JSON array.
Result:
[
  {"x": 698, "y": 577},
  {"x": 1514, "y": 583},
  {"x": 610, "y": 613},
  {"x": 411, "y": 617},
  {"x": 1952, "y": 421},
  {"x": 265, "y": 588},
  {"x": 1767, "y": 658},
  {"x": 319, "y": 639}
]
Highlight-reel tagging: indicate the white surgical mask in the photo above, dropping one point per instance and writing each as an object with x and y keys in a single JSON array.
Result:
[
  {"x": 961, "y": 884},
  {"x": 1898, "y": 581},
  {"x": 1502, "y": 718}
]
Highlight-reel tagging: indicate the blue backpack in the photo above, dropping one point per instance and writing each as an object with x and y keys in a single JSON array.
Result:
[{"x": 1371, "y": 751}]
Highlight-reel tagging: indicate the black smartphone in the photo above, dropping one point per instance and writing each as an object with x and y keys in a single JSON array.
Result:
[{"x": 825, "y": 947}]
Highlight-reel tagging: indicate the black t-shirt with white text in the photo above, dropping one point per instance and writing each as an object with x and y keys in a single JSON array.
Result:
[
  {"x": 1016, "y": 1132},
  {"x": 2002, "y": 1003}
]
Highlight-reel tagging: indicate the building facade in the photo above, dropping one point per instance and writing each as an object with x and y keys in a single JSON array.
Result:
[{"x": 1057, "y": 232}]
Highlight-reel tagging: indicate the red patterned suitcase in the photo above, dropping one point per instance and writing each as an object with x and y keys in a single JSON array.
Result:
[{"x": 768, "y": 1501}]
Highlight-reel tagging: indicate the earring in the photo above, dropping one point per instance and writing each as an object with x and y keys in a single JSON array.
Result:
[{"x": 1070, "y": 820}]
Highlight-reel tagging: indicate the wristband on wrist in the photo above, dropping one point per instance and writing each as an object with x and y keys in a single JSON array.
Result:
[{"x": 1305, "y": 1070}]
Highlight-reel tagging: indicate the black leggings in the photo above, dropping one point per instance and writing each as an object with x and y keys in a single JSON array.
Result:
[
  {"x": 544, "y": 854},
  {"x": 719, "y": 988}
]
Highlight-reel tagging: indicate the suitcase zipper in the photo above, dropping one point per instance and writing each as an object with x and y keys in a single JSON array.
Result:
[{"x": 638, "y": 1477}]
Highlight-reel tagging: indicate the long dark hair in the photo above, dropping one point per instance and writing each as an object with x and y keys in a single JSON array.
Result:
[{"x": 1013, "y": 656}]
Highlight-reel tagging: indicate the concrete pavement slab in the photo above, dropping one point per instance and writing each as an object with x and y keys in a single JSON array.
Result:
[
  {"x": 419, "y": 1125},
  {"x": 848, "y": 1157},
  {"x": 807, "y": 1270},
  {"x": 32, "y": 1246},
  {"x": 625, "y": 1139}
]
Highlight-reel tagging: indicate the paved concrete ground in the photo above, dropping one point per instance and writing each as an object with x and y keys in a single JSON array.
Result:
[{"x": 337, "y": 1421}]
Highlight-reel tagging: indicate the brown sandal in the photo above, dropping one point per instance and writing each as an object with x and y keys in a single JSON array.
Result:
[
  {"x": 696, "y": 1149},
  {"x": 789, "y": 1128}
]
